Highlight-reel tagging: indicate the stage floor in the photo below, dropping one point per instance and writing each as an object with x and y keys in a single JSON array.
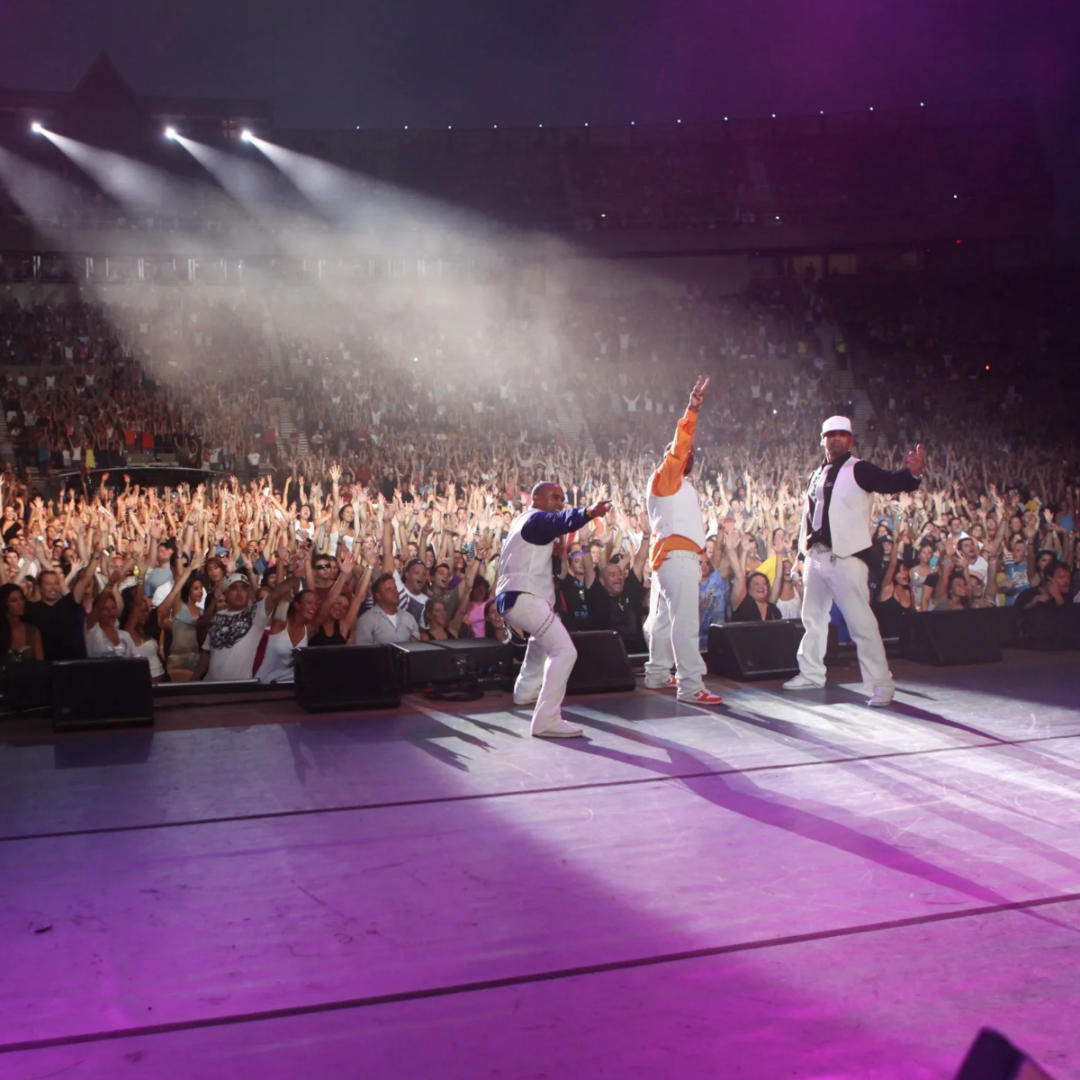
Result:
[{"x": 790, "y": 886}]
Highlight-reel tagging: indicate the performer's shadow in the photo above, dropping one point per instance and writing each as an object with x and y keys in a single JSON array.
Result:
[{"x": 827, "y": 824}]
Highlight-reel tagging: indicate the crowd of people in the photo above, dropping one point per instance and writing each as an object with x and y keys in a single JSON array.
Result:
[{"x": 347, "y": 491}]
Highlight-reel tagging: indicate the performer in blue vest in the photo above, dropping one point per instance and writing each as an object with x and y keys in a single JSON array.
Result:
[
  {"x": 835, "y": 538},
  {"x": 525, "y": 595}
]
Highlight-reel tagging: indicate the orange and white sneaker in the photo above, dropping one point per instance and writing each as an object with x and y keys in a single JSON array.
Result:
[{"x": 702, "y": 697}]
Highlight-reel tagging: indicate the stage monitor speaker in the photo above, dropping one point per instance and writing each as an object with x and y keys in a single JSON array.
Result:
[
  {"x": 465, "y": 662},
  {"x": 602, "y": 666},
  {"x": 946, "y": 638},
  {"x": 993, "y": 1057},
  {"x": 485, "y": 659},
  {"x": 754, "y": 650},
  {"x": 422, "y": 663},
  {"x": 27, "y": 686},
  {"x": 340, "y": 678},
  {"x": 1047, "y": 627},
  {"x": 105, "y": 693}
]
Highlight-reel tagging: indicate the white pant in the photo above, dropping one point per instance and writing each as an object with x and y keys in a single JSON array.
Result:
[
  {"x": 549, "y": 659},
  {"x": 828, "y": 577},
  {"x": 673, "y": 624}
]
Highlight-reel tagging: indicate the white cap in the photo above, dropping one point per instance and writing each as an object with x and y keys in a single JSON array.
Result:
[{"x": 836, "y": 423}]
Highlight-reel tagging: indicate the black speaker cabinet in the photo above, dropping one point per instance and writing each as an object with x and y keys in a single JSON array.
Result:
[
  {"x": 421, "y": 663},
  {"x": 755, "y": 650},
  {"x": 602, "y": 666},
  {"x": 27, "y": 686},
  {"x": 1047, "y": 627},
  {"x": 946, "y": 638},
  {"x": 106, "y": 693},
  {"x": 439, "y": 663},
  {"x": 484, "y": 659},
  {"x": 339, "y": 678}
]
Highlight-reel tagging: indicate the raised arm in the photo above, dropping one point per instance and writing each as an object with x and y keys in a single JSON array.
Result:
[{"x": 668, "y": 477}]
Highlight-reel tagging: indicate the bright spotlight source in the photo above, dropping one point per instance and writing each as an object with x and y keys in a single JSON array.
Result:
[
  {"x": 246, "y": 136},
  {"x": 36, "y": 128},
  {"x": 170, "y": 133}
]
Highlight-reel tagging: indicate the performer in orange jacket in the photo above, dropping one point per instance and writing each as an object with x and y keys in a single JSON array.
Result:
[{"x": 678, "y": 537}]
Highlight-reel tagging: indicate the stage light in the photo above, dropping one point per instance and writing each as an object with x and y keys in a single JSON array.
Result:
[
  {"x": 631, "y": 123},
  {"x": 246, "y": 136},
  {"x": 36, "y": 128},
  {"x": 170, "y": 133},
  {"x": 725, "y": 119},
  {"x": 922, "y": 104},
  {"x": 678, "y": 121},
  {"x": 586, "y": 123},
  {"x": 774, "y": 116},
  {"x": 871, "y": 108}
]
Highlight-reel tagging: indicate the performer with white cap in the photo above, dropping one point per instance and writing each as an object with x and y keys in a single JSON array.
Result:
[
  {"x": 525, "y": 597},
  {"x": 678, "y": 537},
  {"x": 835, "y": 538}
]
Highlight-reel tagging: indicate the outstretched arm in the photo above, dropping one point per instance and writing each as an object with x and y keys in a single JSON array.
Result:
[
  {"x": 544, "y": 527},
  {"x": 872, "y": 477}
]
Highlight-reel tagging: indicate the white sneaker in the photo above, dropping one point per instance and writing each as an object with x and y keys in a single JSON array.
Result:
[
  {"x": 801, "y": 682},
  {"x": 881, "y": 699},
  {"x": 561, "y": 729},
  {"x": 669, "y": 684}
]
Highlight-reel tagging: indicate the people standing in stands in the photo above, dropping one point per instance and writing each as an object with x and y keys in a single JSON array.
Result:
[
  {"x": 387, "y": 622},
  {"x": 179, "y": 614},
  {"x": 616, "y": 599},
  {"x": 835, "y": 539},
  {"x": 59, "y": 616},
  {"x": 20, "y": 641},
  {"x": 571, "y": 587},
  {"x": 678, "y": 539},
  {"x": 104, "y": 638},
  {"x": 139, "y": 622},
  {"x": 236, "y": 629},
  {"x": 338, "y": 613},
  {"x": 896, "y": 599},
  {"x": 287, "y": 635}
]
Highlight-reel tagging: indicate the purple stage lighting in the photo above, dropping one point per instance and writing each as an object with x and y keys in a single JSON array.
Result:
[
  {"x": 36, "y": 128},
  {"x": 170, "y": 133}
]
